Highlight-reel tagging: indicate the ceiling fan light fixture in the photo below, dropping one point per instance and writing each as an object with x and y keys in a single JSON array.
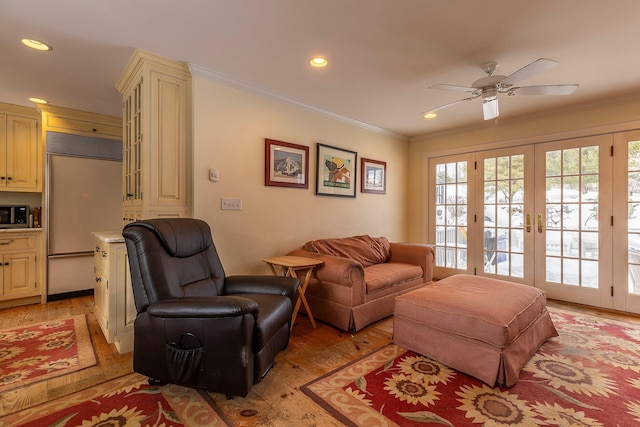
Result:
[
  {"x": 36, "y": 44},
  {"x": 490, "y": 108},
  {"x": 429, "y": 115}
]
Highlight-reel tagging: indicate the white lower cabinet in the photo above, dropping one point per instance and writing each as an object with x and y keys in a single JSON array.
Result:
[{"x": 113, "y": 294}]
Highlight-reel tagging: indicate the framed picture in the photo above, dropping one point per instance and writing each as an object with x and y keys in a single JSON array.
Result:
[
  {"x": 373, "y": 176},
  {"x": 286, "y": 164},
  {"x": 336, "y": 171}
]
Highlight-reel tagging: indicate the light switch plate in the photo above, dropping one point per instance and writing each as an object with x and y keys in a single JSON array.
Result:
[{"x": 230, "y": 204}]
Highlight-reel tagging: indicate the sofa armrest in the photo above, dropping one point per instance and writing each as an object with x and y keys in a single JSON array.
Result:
[
  {"x": 342, "y": 271},
  {"x": 416, "y": 254}
]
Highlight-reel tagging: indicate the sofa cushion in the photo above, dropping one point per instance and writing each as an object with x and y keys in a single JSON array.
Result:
[
  {"x": 364, "y": 249},
  {"x": 382, "y": 276}
]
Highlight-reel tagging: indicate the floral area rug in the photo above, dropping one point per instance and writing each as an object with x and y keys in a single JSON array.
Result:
[
  {"x": 45, "y": 350},
  {"x": 125, "y": 401},
  {"x": 588, "y": 376}
]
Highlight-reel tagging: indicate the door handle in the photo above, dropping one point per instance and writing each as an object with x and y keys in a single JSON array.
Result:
[
  {"x": 7, "y": 242},
  {"x": 528, "y": 223},
  {"x": 540, "y": 225}
]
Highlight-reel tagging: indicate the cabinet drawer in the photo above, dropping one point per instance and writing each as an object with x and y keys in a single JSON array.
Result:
[
  {"x": 101, "y": 256},
  {"x": 9, "y": 243},
  {"x": 66, "y": 123}
]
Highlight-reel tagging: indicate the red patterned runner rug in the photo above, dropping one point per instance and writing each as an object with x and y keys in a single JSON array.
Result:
[
  {"x": 588, "y": 376},
  {"x": 125, "y": 401},
  {"x": 45, "y": 350}
]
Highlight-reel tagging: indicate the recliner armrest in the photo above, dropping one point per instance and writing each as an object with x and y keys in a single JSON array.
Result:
[
  {"x": 219, "y": 306},
  {"x": 256, "y": 284}
]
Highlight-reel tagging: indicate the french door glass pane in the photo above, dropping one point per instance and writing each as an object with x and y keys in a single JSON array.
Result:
[
  {"x": 633, "y": 173},
  {"x": 503, "y": 239},
  {"x": 571, "y": 211},
  {"x": 451, "y": 215}
]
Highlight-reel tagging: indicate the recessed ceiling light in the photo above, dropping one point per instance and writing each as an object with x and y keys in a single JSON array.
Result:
[
  {"x": 39, "y": 100},
  {"x": 36, "y": 44},
  {"x": 429, "y": 115},
  {"x": 318, "y": 62}
]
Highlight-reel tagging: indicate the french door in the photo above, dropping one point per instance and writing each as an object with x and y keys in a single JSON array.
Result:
[
  {"x": 543, "y": 215},
  {"x": 482, "y": 214},
  {"x": 573, "y": 238},
  {"x": 626, "y": 224}
]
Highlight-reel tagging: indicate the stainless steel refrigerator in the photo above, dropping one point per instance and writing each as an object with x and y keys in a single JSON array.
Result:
[{"x": 84, "y": 195}]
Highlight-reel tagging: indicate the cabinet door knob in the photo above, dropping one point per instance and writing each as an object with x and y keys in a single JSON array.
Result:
[
  {"x": 6, "y": 263},
  {"x": 2, "y": 178},
  {"x": 8, "y": 178},
  {"x": 98, "y": 279}
]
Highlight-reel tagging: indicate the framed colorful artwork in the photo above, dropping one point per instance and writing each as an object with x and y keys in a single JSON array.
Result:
[
  {"x": 336, "y": 171},
  {"x": 286, "y": 164},
  {"x": 373, "y": 176}
]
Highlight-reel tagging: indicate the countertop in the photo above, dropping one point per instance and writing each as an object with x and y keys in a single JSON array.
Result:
[
  {"x": 20, "y": 230},
  {"x": 109, "y": 236}
]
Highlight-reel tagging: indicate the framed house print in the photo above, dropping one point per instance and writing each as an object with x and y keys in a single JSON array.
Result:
[
  {"x": 286, "y": 164},
  {"x": 336, "y": 171},
  {"x": 373, "y": 176}
]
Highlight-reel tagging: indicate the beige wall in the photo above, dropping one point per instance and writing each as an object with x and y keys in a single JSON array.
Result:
[
  {"x": 230, "y": 126},
  {"x": 607, "y": 116}
]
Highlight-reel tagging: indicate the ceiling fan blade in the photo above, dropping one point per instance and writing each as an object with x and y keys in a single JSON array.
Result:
[
  {"x": 453, "y": 87},
  {"x": 451, "y": 104},
  {"x": 527, "y": 71},
  {"x": 543, "y": 90},
  {"x": 490, "y": 108}
]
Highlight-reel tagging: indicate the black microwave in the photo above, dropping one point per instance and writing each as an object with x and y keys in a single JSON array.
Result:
[{"x": 14, "y": 216}]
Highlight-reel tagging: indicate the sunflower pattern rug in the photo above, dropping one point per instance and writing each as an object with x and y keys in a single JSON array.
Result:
[{"x": 588, "y": 376}]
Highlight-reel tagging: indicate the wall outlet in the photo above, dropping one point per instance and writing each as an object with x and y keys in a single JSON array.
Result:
[{"x": 230, "y": 204}]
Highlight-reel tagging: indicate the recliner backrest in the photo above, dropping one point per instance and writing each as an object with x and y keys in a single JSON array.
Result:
[{"x": 172, "y": 258}]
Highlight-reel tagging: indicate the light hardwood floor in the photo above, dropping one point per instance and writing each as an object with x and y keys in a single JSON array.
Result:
[{"x": 276, "y": 401}]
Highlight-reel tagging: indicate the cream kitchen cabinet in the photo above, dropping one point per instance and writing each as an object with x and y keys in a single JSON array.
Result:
[
  {"x": 20, "y": 168},
  {"x": 71, "y": 121},
  {"x": 19, "y": 282},
  {"x": 156, "y": 138},
  {"x": 114, "y": 306}
]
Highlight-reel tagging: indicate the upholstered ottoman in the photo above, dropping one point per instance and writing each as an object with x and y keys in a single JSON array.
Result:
[{"x": 484, "y": 327}]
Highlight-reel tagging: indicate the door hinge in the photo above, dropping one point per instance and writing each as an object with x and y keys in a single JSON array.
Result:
[
  {"x": 474, "y": 271},
  {"x": 474, "y": 218},
  {"x": 612, "y": 151},
  {"x": 612, "y": 220},
  {"x": 612, "y": 291},
  {"x": 475, "y": 165}
]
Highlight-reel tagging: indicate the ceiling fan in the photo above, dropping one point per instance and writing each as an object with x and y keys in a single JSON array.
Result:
[{"x": 489, "y": 87}]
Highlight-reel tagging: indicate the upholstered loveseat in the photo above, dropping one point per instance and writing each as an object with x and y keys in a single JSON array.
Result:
[{"x": 360, "y": 277}]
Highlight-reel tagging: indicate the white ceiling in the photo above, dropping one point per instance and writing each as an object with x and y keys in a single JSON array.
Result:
[{"x": 383, "y": 54}]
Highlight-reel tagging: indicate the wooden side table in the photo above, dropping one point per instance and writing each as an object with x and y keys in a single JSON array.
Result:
[{"x": 288, "y": 265}]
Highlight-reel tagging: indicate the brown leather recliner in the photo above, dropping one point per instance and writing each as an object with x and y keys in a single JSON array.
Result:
[{"x": 196, "y": 326}]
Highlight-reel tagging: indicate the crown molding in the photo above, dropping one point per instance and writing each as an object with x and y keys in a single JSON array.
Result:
[{"x": 199, "y": 71}]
